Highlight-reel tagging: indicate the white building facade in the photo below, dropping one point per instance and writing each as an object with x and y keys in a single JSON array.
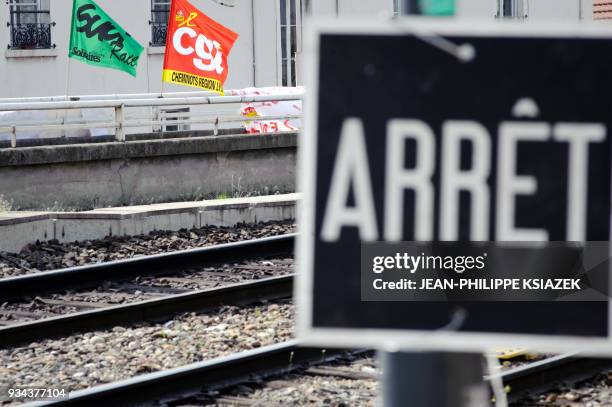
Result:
[{"x": 35, "y": 36}]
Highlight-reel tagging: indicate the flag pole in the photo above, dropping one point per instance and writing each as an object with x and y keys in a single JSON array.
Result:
[
  {"x": 148, "y": 75},
  {"x": 69, "y": 50},
  {"x": 68, "y": 78}
]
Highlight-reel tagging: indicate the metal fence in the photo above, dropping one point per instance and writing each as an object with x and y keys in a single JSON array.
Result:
[
  {"x": 167, "y": 112},
  {"x": 158, "y": 33}
]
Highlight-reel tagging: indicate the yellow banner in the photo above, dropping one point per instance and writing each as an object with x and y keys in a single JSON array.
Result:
[{"x": 196, "y": 81}]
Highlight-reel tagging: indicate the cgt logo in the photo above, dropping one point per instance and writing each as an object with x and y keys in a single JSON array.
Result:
[{"x": 209, "y": 55}]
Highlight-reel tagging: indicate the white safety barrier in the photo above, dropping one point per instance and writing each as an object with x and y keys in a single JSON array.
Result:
[{"x": 118, "y": 113}]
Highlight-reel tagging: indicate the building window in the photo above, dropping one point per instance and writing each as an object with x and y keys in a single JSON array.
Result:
[
  {"x": 290, "y": 29},
  {"x": 30, "y": 22},
  {"x": 160, "y": 11}
]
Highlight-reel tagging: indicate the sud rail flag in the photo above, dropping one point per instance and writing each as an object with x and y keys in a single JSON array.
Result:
[
  {"x": 197, "y": 48},
  {"x": 98, "y": 40}
]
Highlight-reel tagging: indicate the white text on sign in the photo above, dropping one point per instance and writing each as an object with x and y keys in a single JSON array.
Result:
[{"x": 352, "y": 170}]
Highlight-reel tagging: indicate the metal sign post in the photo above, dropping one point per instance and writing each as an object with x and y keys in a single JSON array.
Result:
[{"x": 433, "y": 379}]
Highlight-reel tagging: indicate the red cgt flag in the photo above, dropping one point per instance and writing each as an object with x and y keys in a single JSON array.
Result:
[{"x": 197, "y": 48}]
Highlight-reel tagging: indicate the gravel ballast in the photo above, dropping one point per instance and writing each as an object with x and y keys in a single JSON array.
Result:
[
  {"x": 52, "y": 255},
  {"x": 338, "y": 385},
  {"x": 591, "y": 393},
  {"x": 89, "y": 359}
]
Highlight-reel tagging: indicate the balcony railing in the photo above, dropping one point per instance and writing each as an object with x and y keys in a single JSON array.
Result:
[
  {"x": 31, "y": 36},
  {"x": 158, "y": 34}
]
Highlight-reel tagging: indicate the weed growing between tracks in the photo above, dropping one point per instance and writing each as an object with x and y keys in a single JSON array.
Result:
[
  {"x": 5, "y": 205},
  {"x": 88, "y": 204}
]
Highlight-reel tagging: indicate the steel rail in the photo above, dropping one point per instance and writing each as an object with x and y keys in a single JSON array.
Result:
[
  {"x": 183, "y": 382},
  {"x": 156, "y": 310},
  {"x": 545, "y": 375},
  {"x": 92, "y": 275}
]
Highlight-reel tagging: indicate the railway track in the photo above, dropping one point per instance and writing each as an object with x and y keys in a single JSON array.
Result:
[
  {"x": 288, "y": 371},
  {"x": 352, "y": 380},
  {"x": 549, "y": 374},
  {"x": 156, "y": 310},
  {"x": 194, "y": 384},
  {"x": 252, "y": 378},
  {"x": 177, "y": 295},
  {"x": 157, "y": 288},
  {"x": 95, "y": 275},
  {"x": 112, "y": 294}
]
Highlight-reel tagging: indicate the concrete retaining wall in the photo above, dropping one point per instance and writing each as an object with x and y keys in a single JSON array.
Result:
[
  {"x": 17, "y": 229},
  {"x": 86, "y": 176}
]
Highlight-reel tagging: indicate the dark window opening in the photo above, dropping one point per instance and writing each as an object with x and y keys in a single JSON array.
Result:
[
  {"x": 160, "y": 11},
  {"x": 290, "y": 28}
]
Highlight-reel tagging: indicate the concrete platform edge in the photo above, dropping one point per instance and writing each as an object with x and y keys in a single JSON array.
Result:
[{"x": 18, "y": 229}]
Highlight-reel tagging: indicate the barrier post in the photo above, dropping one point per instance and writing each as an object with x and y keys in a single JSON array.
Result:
[
  {"x": 119, "y": 118},
  {"x": 13, "y": 137}
]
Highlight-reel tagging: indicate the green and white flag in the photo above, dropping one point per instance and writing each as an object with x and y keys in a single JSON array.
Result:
[{"x": 98, "y": 40}]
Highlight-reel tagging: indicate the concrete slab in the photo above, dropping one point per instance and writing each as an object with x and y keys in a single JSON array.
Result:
[
  {"x": 20, "y": 217},
  {"x": 248, "y": 210},
  {"x": 17, "y": 229}
]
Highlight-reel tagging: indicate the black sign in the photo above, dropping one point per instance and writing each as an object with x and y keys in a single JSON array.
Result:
[{"x": 451, "y": 137}]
